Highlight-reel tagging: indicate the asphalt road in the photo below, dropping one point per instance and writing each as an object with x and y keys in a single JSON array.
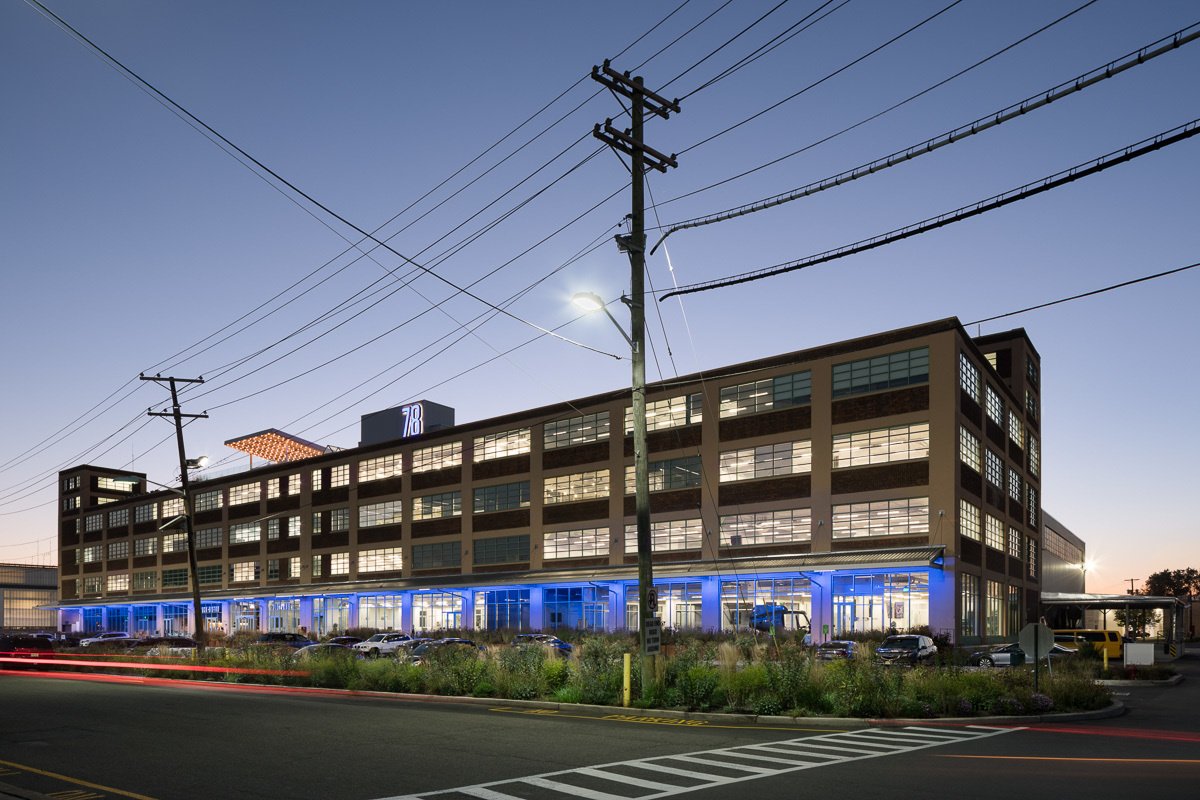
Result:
[{"x": 81, "y": 740}]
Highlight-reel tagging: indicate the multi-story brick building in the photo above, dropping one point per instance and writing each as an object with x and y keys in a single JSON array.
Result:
[{"x": 891, "y": 480}]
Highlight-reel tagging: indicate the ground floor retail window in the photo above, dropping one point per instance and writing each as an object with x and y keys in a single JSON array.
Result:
[
  {"x": 380, "y": 611},
  {"x": 576, "y": 608},
  {"x": 330, "y": 615},
  {"x": 502, "y": 608},
  {"x": 679, "y": 606},
  {"x": 175, "y": 620},
  {"x": 93, "y": 620},
  {"x": 283, "y": 615},
  {"x": 437, "y": 611},
  {"x": 145, "y": 619},
  {"x": 739, "y": 597},
  {"x": 118, "y": 619},
  {"x": 245, "y": 616},
  {"x": 880, "y": 602}
]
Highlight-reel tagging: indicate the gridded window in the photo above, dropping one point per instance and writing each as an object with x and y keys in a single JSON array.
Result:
[
  {"x": 882, "y": 372},
  {"x": 783, "y": 391},
  {"x": 208, "y": 537},
  {"x": 317, "y": 566},
  {"x": 316, "y": 523},
  {"x": 339, "y": 564},
  {"x": 1031, "y": 508},
  {"x": 93, "y": 522},
  {"x": 273, "y": 488},
  {"x": 293, "y": 567},
  {"x": 671, "y": 412},
  {"x": 994, "y": 617},
  {"x": 968, "y": 521},
  {"x": 174, "y": 577},
  {"x": 172, "y": 508},
  {"x": 339, "y": 520},
  {"x": 91, "y": 585},
  {"x": 577, "y": 543},
  {"x": 1031, "y": 405},
  {"x": 994, "y": 468},
  {"x": 245, "y": 493},
  {"x": 968, "y": 594},
  {"x": 147, "y": 546},
  {"x": 207, "y": 501},
  {"x": 245, "y": 532},
  {"x": 118, "y": 550},
  {"x": 993, "y": 532},
  {"x": 116, "y": 484},
  {"x": 1035, "y": 456},
  {"x": 504, "y": 497},
  {"x": 1031, "y": 371},
  {"x": 502, "y": 549},
  {"x": 117, "y": 583},
  {"x": 1031, "y": 557},
  {"x": 71, "y": 503},
  {"x": 968, "y": 448},
  {"x": 439, "y": 456},
  {"x": 501, "y": 445},
  {"x": 293, "y": 484},
  {"x": 144, "y": 513},
  {"x": 671, "y": 473},
  {"x": 174, "y": 543},
  {"x": 242, "y": 571},
  {"x": 766, "y": 461},
  {"x": 376, "y": 469},
  {"x": 380, "y": 514},
  {"x": 995, "y": 406},
  {"x": 576, "y": 486},
  {"x": 71, "y": 484},
  {"x": 93, "y": 553},
  {"x": 1015, "y": 488},
  {"x": 767, "y": 527},
  {"x": 273, "y": 528},
  {"x": 437, "y": 555},
  {"x": 318, "y": 481},
  {"x": 273, "y": 569},
  {"x": 902, "y": 517},
  {"x": 339, "y": 476},
  {"x": 118, "y": 517},
  {"x": 145, "y": 580},
  {"x": 293, "y": 525},
  {"x": 1016, "y": 430},
  {"x": 209, "y": 574},
  {"x": 679, "y": 534},
  {"x": 387, "y": 559},
  {"x": 968, "y": 377},
  {"x": 575, "y": 430},
  {"x": 879, "y": 446},
  {"x": 1015, "y": 542},
  {"x": 437, "y": 506}
]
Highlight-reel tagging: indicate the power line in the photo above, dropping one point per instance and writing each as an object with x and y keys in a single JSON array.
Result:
[
  {"x": 1100, "y": 164},
  {"x": 1120, "y": 285},
  {"x": 1151, "y": 51}
]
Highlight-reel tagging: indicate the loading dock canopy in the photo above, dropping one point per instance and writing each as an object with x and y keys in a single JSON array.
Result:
[{"x": 1101, "y": 602}]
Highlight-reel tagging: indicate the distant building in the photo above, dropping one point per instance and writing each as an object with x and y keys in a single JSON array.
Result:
[
  {"x": 28, "y": 596},
  {"x": 888, "y": 481}
]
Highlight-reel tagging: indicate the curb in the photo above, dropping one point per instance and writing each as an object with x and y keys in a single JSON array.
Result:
[
  {"x": 9, "y": 791},
  {"x": 1171, "y": 681}
]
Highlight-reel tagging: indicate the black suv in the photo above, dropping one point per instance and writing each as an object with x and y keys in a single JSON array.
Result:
[
  {"x": 281, "y": 639},
  {"x": 910, "y": 649},
  {"x": 20, "y": 646}
]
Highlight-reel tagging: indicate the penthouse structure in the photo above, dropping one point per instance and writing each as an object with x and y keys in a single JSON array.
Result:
[{"x": 887, "y": 481}]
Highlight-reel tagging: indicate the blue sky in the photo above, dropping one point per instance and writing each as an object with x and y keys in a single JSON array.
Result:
[{"x": 128, "y": 237}]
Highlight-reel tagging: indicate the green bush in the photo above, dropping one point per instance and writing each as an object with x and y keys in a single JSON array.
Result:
[
  {"x": 601, "y": 670},
  {"x": 456, "y": 670},
  {"x": 741, "y": 687}
]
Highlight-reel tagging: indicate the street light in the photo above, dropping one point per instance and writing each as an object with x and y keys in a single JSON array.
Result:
[{"x": 637, "y": 344}]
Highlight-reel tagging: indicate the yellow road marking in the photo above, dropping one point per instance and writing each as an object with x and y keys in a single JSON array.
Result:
[
  {"x": 639, "y": 720},
  {"x": 1104, "y": 760},
  {"x": 76, "y": 781}
]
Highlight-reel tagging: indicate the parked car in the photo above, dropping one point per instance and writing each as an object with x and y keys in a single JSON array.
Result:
[
  {"x": 19, "y": 645},
  {"x": 405, "y": 649},
  {"x": 1010, "y": 655},
  {"x": 382, "y": 644},
  {"x": 906, "y": 648},
  {"x": 837, "y": 649},
  {"x": 103, "y": 638},
  {"x": 547, "y": 640},
  {"x": 421, "y": 652},
  {"x": 345, "y": 641},
  {"x": 283, "y": 639},
  {"x": 1104, "y": 641},
  {"x": 165, "y": 646},
  {"x": 325, "y": 650}
]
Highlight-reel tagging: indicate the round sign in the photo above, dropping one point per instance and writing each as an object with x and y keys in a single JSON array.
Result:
[
  {"x": 652, "y": 600},
  {"x": 1036, "y": 640}
]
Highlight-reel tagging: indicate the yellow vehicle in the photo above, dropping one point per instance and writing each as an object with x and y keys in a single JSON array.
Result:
[{"x": 1104, "y": 641}]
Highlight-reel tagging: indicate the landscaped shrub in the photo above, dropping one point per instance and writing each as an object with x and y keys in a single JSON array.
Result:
[
  {"x": 520, "y": 672},
  {"x": 601, "y": 670},
  {"x": 743, "y": 686},
  {"x": 456, "y": 670}
]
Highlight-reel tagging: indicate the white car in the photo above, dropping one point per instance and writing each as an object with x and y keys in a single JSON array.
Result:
[
  {"x": 104, "y": 638},
  {"x": 382, "y": 644}
]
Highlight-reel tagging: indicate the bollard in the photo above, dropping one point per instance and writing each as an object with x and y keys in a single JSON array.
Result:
[{"x": 627, "y": 690}]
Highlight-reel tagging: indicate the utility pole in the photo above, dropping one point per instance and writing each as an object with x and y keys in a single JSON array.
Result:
[
  {"x": 177, "y": 414},
  {"x": 631, "y": 143},
  {"x": 1131, "y": 581}
]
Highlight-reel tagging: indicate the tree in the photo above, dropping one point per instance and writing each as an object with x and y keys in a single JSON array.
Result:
[{"x": 1173, "y": 583}]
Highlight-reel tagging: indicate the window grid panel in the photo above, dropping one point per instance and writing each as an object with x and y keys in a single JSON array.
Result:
[
  {"x": 504, "y": 497},
  {"x": 902, "y": 517},
  {"x": 766, "y": 461},
  {"x": 208, "y": 501},
  {"x": 501, "y": 445},
  {"x": 672, "y": 412},
  {"x": 679, "y": 534},
  {"x": 437, "y": 506},
  {"x": 578, "y": 543},
  {"x": 767, "y": 527},
  {"x": 1015, "y": 543},
  {"x": 240, "y": 572},
  {"x": 1015, "y": 489},
  {"x": 374, "y": 514},
  {"x": 993, "y": 532},
  {"x": 439, "y": 456},
  {"x": 208, "y": 537},
  {"x": 146, "y": 513},
  {"x": 881, "y": 445},
  {"x": 1035, "y": 457},
  {"x": 671, "y": 473},
  {"x": 145, "y": 547},
  {"x": 995, "y": 406},
  {"x": 1016, "y": 430},
  {"x": 339, "y": 476},
  {"x": 968, "y": 376},
  {"x": 339, "y": 564},
  {"x": 437, "y": 555},
  {"x": 882, "y": 372},
  {"x": 968, "y": 448},
  {"x": 575, "y": 486},
  {"x": 794, "y": 389},
  {"x": 502, "y": 549},
  {"x": 118, "y": 517},
  {"x": 117, "y": 583},
  {"x": 245, "y": 532},
  {"x": 246, "y": 493},
  {"x": 968, "y": 521},
  {"x": 387, "y": 559},
  {"x": 994, "y": 468},
  {"x": 118, "y": 550},
  {"x": 339, "y": 520},
  {"x": 377, "y": 469},
  {"x": 575, "y": 430}
]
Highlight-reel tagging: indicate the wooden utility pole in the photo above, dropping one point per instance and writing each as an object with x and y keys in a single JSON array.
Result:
[
  {"x": 177, "y": 414},
  {"x": 631, "y": 143}
]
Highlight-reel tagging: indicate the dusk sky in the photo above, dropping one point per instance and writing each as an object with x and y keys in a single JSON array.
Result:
[{"x": 133, "y": 242}]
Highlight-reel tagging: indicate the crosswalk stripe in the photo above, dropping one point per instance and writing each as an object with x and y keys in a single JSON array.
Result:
[
  {"x": 722, "y": 764},
  {"x": 621, "y": 777},
  {"x": 572, "y": 790}
]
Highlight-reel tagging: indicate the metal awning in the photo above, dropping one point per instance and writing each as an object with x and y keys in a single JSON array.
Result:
[
  {"x": 276, "y": 446},
  {"x": 1101, "y": 601}
]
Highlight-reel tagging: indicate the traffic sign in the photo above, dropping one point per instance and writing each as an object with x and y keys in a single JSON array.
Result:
[
  {"x": 1036, "y": 641},
  {"x": 653, "y": 636},
  {"x": 652, "y": 600}
]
